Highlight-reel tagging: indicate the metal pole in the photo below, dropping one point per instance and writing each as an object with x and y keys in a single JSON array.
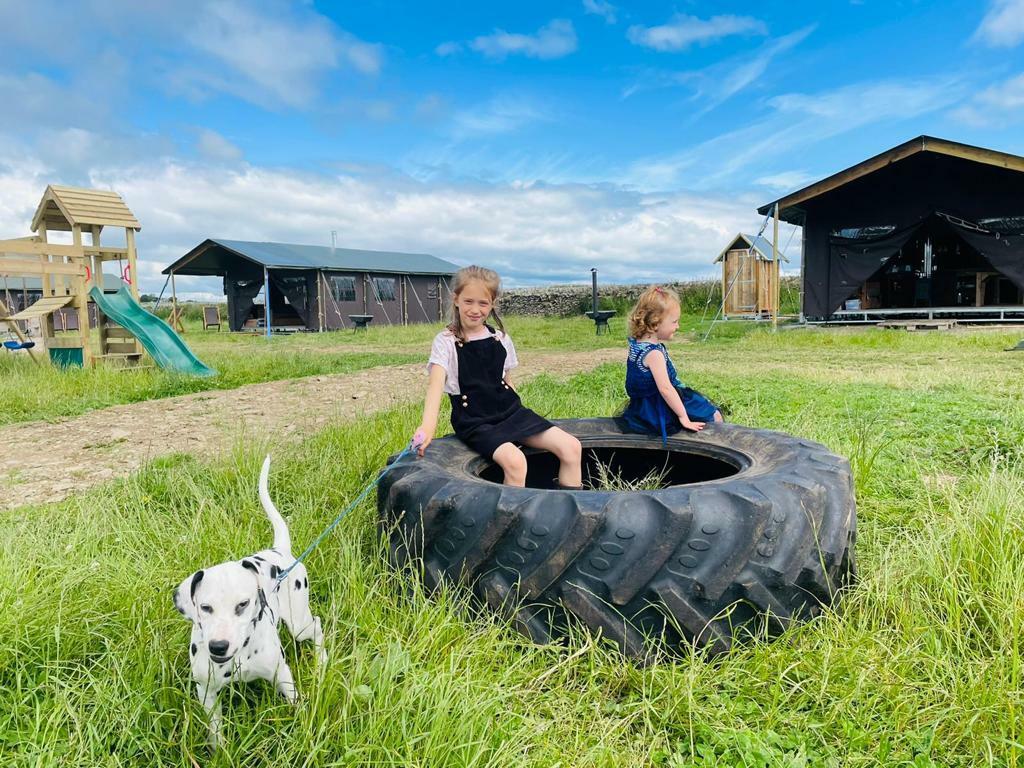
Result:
[
  {"x": 266, "y": 300},
  {"x": 803, "y": 265},
  {"x": 593, "y": 279},
  {"x": 775, "y": 269}
]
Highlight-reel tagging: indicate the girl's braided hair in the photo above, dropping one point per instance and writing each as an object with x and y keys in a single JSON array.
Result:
[
  {"x": 491, "y": 282},
  {"x": 650, "y": 310}
]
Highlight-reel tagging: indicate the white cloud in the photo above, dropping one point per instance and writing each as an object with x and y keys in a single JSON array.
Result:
[
  {"x": 785, "y": 180},
  {"x": 271, "y": 58},
  {"x": 683, "y": 31},
  {"x": 448, "y": 49},
  {"x": 1003, "y": 25},
  {"x": 797, "y": 121},
  {"x": 719, "y": 82},
  {"x": 998, "y": 104},
  {"x": 600, "y": 8},
  {"x": 501, "y": 114},
  {"x": 552, "y": 41},
  {"x": 528, "y": 232},
  {"x": 214, "y": 146}
]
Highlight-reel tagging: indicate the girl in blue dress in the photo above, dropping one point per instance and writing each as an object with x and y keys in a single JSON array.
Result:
[{"x": 658, "y": 402}]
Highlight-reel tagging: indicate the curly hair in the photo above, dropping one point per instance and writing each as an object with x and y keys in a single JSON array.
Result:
[
  {"x": 650, "y": 310},
  {"x": 461, "y": 279}
]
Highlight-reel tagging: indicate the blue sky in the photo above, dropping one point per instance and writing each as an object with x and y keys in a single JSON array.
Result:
[{"x": 541, "y": 139}]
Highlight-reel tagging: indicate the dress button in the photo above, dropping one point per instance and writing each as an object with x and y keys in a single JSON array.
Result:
[
  {"x": 465, "y": 405},
  {"x": 464, "y": 397}
]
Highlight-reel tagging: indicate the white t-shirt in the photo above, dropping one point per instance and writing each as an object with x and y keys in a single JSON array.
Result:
[{"x": 443, "y": 353}]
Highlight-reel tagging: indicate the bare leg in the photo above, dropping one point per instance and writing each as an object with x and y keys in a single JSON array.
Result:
[
  {"x": 513, "y": 462},
  {"x": 568, "y": 450},
  {"x": 718, "y": 416}
]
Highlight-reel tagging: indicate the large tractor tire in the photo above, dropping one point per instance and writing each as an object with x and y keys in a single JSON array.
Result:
[{"x": 752, "y": 531}]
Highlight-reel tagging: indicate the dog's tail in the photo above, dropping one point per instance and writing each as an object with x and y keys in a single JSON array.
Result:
[{"x": 282, "y": 539}]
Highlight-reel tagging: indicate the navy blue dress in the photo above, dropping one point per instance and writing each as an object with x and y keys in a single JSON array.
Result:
[{"x": 647, "y": 411}]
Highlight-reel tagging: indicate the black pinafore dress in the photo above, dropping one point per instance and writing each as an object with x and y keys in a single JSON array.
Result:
[{"x": 487, "y": 412}]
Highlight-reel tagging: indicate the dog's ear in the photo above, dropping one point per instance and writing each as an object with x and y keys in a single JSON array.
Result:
[{"x": 184, "y": 596}]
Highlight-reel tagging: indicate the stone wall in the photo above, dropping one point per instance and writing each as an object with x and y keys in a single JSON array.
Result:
[{"x": 564, "y": 300}]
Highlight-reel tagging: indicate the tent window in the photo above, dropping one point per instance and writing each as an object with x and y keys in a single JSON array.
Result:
[
  {"x": 343, "y": 288},
  {"x": 1004, "y": 225},
  {"x": 385, "y": 288},
  {"x": 864, "y": 233}
]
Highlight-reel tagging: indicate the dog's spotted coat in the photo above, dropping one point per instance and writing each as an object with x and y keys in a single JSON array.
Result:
[{"x": 235, "y": 608}]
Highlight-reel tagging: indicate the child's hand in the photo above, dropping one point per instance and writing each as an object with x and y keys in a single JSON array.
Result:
[
  {"x": 421, "y": 439},
  {"x": 693, "y": 426}
]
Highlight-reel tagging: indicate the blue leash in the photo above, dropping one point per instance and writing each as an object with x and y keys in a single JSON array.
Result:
[{"x": 369, "y": 487}]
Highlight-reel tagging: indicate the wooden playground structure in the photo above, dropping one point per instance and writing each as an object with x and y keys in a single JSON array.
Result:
[{"x": 68, "y": 272}]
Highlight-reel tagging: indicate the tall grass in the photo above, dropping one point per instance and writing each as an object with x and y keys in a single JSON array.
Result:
[{"x": 919, "y": 666}]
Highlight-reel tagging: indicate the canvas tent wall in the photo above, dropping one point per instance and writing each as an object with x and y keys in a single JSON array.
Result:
[
  {"x": 878, "y": 223},
  {"x": 318, "y": 287}
]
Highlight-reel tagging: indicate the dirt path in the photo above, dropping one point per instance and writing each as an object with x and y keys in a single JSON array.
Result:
[{"x": 49, "y": 462}]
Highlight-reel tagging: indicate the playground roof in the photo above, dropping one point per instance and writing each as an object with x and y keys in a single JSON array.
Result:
[
  {"x": 762, "y": 245},
  {"x": 214, "y": 256},
  {"x": 792, "y": 206},
  {"x": 63, "y": 207}
]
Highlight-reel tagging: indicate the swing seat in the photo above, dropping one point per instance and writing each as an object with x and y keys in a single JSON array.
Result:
[{"x": 14, "y": 345}]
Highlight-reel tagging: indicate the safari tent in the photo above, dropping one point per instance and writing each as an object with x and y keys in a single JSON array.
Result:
[
  {"x": 928, "y": 228},
  {"x": 315, "y": 287}
]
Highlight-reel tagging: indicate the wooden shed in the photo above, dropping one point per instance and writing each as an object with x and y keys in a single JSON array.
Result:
[{"x": 747, "y": 271}]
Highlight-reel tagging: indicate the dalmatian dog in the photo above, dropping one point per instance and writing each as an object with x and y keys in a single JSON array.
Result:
[{"x": 235, "y": 608}]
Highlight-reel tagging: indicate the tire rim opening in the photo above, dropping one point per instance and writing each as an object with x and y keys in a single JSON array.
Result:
[{"x": 626, "y": 468}]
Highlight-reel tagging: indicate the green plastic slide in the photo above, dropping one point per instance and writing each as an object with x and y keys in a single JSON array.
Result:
[{"x": 163, "y": 344}]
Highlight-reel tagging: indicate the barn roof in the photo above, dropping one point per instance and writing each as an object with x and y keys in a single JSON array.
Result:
[
  {"x": 63, "y": 207},
  {"x": 790, "y": 206},
  {"x": 208, "y": 258},
  {"x": 762, "y": 245}
]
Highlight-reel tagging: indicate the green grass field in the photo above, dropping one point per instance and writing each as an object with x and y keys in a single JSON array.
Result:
[{"x": 921, "y": 665}]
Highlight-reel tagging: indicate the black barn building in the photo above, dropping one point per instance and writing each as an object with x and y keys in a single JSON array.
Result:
[
  {"x": 315, "y": 287},
  {"x": 931, "y": 227}
]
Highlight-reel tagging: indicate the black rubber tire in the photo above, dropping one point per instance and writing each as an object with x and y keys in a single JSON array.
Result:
[{"x": 706, "y": 562}]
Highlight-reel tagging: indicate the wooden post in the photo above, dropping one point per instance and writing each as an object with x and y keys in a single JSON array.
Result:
[
  {"x": 46, "y": 328},
  {"x": 405, "y": 300},
  {"x": 775, "y": 268},
  {"x": 80, "y": 302},
  {"x": 266, "y": 300},
  {"x": 129, "y": 236},
  {"x": 175, "y": 317},
  {"x": 321, "y": 313},
  {"x": 803, "y": 264}
]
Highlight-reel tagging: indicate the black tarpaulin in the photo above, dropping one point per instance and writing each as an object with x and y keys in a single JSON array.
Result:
[
  {"x": 852, "y": 260},
  {"x": 1004, "y": 252},
  {"x": 240, "y": 295},
  {"x": 295, "y": 286}
]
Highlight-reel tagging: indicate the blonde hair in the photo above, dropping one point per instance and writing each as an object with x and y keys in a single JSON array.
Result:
[
  {"x": 491, "y": 282},
  {"x": 650, "y": 310}
]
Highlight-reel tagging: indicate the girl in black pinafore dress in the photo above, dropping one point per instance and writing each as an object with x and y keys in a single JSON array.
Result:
[
  {"x": 487, "y": 412},
  {"x": 470, "y": 361}
]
